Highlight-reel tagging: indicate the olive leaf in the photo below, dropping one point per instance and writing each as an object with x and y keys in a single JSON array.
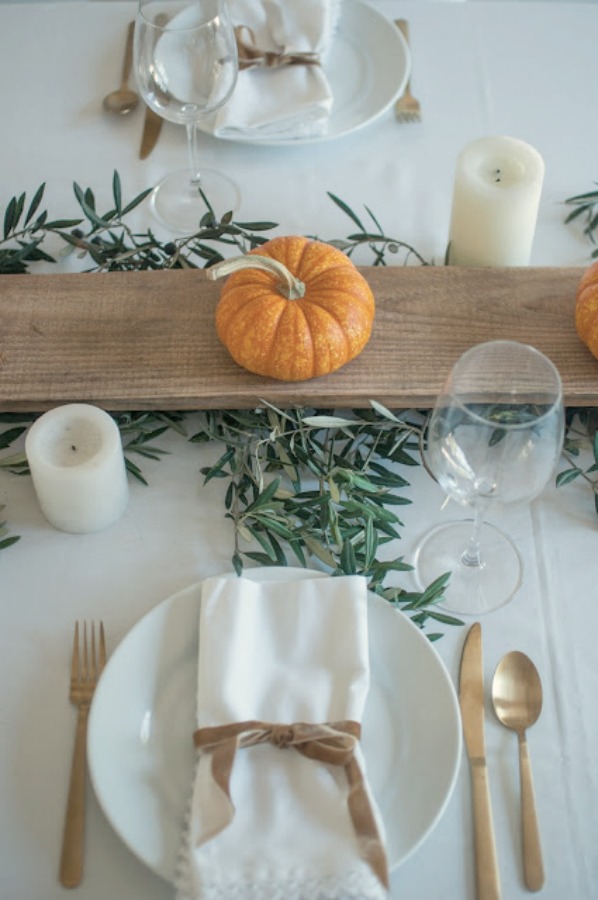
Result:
[{"x": 6, "y": 542}]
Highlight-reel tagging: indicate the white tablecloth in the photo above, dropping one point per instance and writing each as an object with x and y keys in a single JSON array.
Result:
[{"x": 521, "y": 69}]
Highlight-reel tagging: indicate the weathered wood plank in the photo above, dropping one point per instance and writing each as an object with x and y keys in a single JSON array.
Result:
[{"x": 142, "y": 340}]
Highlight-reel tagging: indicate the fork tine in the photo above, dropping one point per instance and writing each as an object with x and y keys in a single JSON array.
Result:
[
  {"x": 93, "y": 673},
  {"x": 75, "y": 654},
  {"x": 85, "y": 667}
]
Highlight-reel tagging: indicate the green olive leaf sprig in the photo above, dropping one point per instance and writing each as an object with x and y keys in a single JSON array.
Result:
[
  {"x": 112, "y": 245},
  {"x": 585, "y": 207},
  {"x": 581, "y": 435},
  {"x": 6, "y": 542},
  {"x": 321, "y": 489},
  {"x": 348, "y": 495},
  {"x": 373, "y": 238}
]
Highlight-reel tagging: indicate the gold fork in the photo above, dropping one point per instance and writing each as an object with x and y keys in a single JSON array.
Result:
[
  {"x": 86, "y": 665},
  {"x": 407, "y": 108}
]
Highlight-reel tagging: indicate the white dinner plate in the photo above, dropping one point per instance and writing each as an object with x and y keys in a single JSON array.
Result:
[
  {"x": 367, "y": 69},
  {"x": 140, "y": 751}
]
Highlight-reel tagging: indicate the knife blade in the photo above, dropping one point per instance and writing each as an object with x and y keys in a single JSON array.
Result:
[
  {"x": 471, "y": 701},
  {"x": 152, "y": 126}
]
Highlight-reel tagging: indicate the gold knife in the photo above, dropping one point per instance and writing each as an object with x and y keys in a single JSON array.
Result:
[
  {"x": 151, "y": 132},
  {"x": 152, "y": 124},
  {"x": 471, "y": 699}
]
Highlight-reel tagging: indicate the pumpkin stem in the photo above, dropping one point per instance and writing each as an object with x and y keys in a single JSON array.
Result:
[{"x": 289, "y": 286}]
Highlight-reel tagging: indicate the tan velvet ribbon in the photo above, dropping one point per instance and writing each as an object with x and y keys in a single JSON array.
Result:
[
  {"x": 250, "y": 55},
  {"x": 331, "y": 742}
]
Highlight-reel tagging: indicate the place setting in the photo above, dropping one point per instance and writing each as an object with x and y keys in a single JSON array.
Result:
[
  {"x": 273, "y": 74},
  {"x": 319, "y": 652}
]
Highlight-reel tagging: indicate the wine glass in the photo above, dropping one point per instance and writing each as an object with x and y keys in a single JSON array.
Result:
[
  {"x": 186, "y": 66},
  {"x": 494, "y": 436}
]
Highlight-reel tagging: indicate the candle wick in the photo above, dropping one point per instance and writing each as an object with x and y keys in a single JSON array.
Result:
[
  {"x": 497, "y": 173},
  {"x": 73, "y": 448}
]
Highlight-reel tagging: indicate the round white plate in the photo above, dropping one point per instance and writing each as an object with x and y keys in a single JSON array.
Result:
[
  {"x": 367, "y": 69},
  {"x": 140, "y": 751}
]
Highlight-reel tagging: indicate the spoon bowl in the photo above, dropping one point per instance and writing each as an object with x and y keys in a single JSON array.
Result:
[
  {"x": 121, "y": 102},
  {"x": 124, "y": 100},
  {"x": 517, "y": 701},
  {"x": 517, "y": 691}
]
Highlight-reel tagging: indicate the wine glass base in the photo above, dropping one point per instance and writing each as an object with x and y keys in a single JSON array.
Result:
[
  {"x": 472, "y": 590},
  {"x": 177, "y": 204}
]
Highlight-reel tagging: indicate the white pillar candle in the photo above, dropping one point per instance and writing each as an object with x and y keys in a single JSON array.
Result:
[
  {"x": 498, "y": 182},
  {"x": 76, "y": 461}
]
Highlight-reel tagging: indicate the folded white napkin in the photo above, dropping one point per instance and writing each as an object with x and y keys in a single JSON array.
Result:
[
  {"x": 278, "y": 824},
  {"x": 287, "y": 102}
]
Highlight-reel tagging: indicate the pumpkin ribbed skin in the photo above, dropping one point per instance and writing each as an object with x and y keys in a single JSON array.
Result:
[
  {"x": 293, "y": 340},
  {"x": 586, "y": 309}
]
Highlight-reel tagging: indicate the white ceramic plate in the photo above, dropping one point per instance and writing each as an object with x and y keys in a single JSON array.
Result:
[
  {"x": 140, "y": 750},
  {"x": 367, "y": 68}
]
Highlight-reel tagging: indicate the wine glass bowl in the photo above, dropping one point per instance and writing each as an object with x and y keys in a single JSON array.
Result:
[
  {"x": 186, "y": 66},
  {"x": 494, "y": 437}
]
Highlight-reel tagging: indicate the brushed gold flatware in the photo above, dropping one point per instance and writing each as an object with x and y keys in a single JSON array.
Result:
[
  {"x": 517, "y": 700},
  {"x": 87, "y": 661},
  {"x": 124, "y": 100},
  {"x": 471, "y": 700},
  {"x": 152, "y": 126},
  {"x": 152, "y": 123},
  {"x": 407, "y": 108}
]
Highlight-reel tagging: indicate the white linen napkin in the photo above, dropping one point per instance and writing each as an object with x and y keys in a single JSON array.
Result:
[
  {"x": 283, "y": 103},
  {"x": 280, "y": 652}
]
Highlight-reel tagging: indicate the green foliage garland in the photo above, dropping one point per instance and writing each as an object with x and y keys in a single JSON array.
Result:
[
  {"x": 305, "y": 484},
  {"x": 113, "y": 246},
  {"x": 323, "y": 490}
]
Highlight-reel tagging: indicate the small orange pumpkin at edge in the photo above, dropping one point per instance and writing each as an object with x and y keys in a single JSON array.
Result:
[
  {"x": 586, "y": 309},
  {"x": 293, "y": 309}
]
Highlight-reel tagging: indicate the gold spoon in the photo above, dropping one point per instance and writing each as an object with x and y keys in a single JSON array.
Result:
[
  {"x": 124, "y": 100},
  {"x": 517, "y": 700}
]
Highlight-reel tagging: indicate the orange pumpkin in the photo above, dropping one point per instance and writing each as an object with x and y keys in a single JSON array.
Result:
[
  {"x": 586, "y": 309},
  {"x": 293, "y": 309}
]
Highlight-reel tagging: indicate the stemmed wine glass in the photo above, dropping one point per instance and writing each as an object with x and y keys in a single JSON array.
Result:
[
  {"x": 186, "y": 66},
  {"x": 494, "y": 436}
]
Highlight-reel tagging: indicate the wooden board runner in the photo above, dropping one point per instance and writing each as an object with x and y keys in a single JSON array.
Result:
[{"x": 146, "y": 340}]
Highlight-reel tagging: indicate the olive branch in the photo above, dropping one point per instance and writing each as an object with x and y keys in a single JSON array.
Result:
[
  {"x": 581, "y": 434},
  {"x": 585, "y": 208},
  {"x": 111, "y": 245},
  {"x": 322, "y": 489}
]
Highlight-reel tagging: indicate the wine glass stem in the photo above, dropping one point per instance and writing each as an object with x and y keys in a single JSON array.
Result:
[
  {"x": 471, "y": 556},
  {"x": 192, "y": 149}
]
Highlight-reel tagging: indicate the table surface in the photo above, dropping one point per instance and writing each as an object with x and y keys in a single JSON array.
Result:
[
  {"x": 68, "y": 338},
  {"x": 522, "y": 69}
]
